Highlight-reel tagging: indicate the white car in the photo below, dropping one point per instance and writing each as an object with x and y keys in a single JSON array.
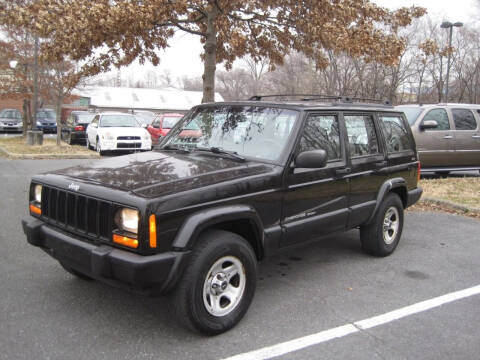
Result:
[{"x": 117, "y": 131}]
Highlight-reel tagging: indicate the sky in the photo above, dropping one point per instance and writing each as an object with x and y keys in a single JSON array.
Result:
[{"x": 182, "y": 58}]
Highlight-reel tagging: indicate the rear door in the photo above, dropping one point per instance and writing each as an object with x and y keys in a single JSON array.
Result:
[
  {"x": 316, "y": 200},
  {"x": 436, "y": 147},
  {"x": 467, "y": 139},
  {"x": 366, "y": 159}
]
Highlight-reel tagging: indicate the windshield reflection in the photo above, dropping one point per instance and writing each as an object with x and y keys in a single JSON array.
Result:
[{"x": 253, "y": 131}]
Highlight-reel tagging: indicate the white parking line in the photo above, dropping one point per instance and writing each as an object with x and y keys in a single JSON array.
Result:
[{"x": 323, "y": 336}]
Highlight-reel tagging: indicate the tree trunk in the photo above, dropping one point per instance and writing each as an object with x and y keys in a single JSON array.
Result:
[
  {"x": 210, "y": 61},
  {"x": 58, "y": 110}
]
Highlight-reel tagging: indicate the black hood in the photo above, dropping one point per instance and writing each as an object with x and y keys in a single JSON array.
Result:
[{"x": 159, "y": 173}]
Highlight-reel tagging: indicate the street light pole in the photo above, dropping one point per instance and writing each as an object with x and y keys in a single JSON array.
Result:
[{"x": 449, "y": 25}]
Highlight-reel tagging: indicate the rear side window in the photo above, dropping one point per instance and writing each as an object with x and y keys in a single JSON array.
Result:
[
  {"x": 321, "y": 132},
  {"x": 464, "y": 119},
  {"x": 440, "y": 116},
  {"x": 396, "y": 135},
  {"x": 362, "y": 139}
]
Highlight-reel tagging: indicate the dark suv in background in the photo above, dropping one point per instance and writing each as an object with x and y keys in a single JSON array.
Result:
[
  {"x": 46, "y": 120},
  {"x": 192, "y": 218},
  {"x": 74, "y": 129}
]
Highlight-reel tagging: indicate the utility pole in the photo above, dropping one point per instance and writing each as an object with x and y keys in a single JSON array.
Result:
[
  {"x": 449, "y": 25},
  {"x": 35, "y": 82}
]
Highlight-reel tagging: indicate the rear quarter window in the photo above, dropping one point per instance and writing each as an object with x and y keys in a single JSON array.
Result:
[{"x": 394, "y": 129}]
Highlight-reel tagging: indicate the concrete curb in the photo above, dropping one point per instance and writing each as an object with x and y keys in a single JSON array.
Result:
[
  {"x": 449, "y": 205},
  {"x": 14, "y": 156}
]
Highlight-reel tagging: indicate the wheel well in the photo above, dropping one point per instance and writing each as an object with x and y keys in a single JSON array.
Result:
[
  {"x": 246, "y": 229},
  {"x": 402, "y": 193}
]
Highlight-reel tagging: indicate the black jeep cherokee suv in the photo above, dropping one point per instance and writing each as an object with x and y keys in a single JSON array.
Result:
[{"x": 229, "y": 185}]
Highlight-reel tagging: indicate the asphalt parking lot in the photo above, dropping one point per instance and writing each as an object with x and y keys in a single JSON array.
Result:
[{"x": 45, "y": 313}]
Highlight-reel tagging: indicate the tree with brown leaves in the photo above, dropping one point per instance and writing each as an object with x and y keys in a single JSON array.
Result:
[{"x": 105, "y": 33}]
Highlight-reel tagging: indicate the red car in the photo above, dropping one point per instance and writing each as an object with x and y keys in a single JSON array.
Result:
[{"x": 162, "y": 125}]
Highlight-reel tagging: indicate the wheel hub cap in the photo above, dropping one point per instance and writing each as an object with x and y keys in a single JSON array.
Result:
[
  {"x": 391, "y": 223},
  {"x": 224, "y": 286}
]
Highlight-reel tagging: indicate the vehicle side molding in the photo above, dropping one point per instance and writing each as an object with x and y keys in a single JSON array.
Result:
[
  {"x": 386, "y": 187},
  {"x": 201, "y": 220}
]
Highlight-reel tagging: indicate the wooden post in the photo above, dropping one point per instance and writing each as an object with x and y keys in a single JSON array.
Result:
[{"x": 34, "y": 137}]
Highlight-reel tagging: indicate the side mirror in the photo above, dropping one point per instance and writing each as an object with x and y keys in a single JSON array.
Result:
[
  {"x": 93, "y": 125},
  {"x": 156, "y": 125},
  {"x": 428, "y": 124},
  {"x": 312, "y": 159},
  {"x": 144, "y": 126}
]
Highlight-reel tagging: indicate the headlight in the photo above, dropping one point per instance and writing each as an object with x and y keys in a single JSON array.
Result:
[
  {"x": 37, "y": 193},
  {"x": 127, "y": 220},
  {"x": 146, "y": 136},
  {"x": 39, "y": 123},
  {"x": 108, "y": 136}
]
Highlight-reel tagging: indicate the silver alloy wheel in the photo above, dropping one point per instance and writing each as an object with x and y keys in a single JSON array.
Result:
[
  {"x": 391, "y": 223},
  {"x": 224, "y": 286}
]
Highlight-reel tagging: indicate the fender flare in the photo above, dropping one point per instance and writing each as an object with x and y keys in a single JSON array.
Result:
[
  {"x": 386, "y": 187},
  {"x": 197, "y": 222}
]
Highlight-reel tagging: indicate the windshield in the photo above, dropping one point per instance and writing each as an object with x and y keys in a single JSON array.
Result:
[
  {"x": 11, "y": 114},
  {"x": 145, "y": 118},
  {"x": 252, "y": 131},
  {"x": 411, "y": 113},
  {"x": 85, "y": 118},
  {"x": 118, "y": 121},
  {"x": 46, "y": 115},
  {"x": 170, "y": 121}
]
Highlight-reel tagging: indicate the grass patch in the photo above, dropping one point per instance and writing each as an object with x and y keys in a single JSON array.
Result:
[
  {"x": 464, "y": 191},
  {"x": 17, "y": 146}
]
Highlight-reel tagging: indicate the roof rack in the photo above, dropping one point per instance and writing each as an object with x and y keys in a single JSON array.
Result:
[{"x": 318, "y": 97}]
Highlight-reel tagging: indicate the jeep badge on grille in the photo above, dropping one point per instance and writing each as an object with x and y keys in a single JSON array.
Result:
[{"x": 74, "y": 186}]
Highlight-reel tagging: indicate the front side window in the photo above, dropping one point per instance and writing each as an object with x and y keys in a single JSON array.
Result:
[
  {"x": 396, "y": 135},
  {"x": 254, "y": 131},
  {"x": 118, "y": 121},
  {"x": 170, "y": 121},
  {"x": 321, "y": 132},
  {"x": 440, "y": 116},
  {"x": 464, "y": 119},
  {"x": 362, "y": 138}
]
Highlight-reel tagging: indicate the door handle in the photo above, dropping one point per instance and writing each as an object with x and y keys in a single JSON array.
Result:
[
  {"x": 476, "y": 136},
  {"x": 448, "y": 137},
  {"x": 343, "y": 171}
]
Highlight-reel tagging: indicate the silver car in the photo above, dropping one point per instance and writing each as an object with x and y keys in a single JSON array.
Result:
[
  {"x": 447, "y": 135},
  {"x": 11, "y": 120}
]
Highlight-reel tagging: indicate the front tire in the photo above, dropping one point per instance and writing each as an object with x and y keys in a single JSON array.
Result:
[
  {"x": 218, "y": 284},
  {"x": 381, "y": 237},
  {"x": 98, "y": 148}
]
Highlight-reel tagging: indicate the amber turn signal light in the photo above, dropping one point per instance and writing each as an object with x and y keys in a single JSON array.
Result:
[
  {"x": 153, "y": 231},
  {"x": 35, "y": 210},
  {"x": 125, "y": 241}
]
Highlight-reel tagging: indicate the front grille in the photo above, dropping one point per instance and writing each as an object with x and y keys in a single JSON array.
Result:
[
  {"x": 128, "y": 138},
  {"x": 82, "y": 215},
  {"x": 136, "y": 145}
]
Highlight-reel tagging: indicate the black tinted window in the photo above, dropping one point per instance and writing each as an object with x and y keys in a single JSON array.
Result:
[
  {"x": 321, "y": 133},
  {"x": 362, "y": 138},
  {"x": 396, "y": 134},
  {"x": 440, "y": 116},
  {"x": 464, "y": 119}
]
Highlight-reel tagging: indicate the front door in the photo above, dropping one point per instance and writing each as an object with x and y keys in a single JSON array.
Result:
[
  {"x": 316, "y": 200},
  {"x": 436, "y": 147}
]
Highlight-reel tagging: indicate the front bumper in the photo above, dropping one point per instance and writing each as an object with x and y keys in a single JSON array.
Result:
[
  {"x": 148, "y": 275},
  {"x": 11, "y": 127},
  {"x": 47, "y": 128},
  {"x": 125, "y": 145}
]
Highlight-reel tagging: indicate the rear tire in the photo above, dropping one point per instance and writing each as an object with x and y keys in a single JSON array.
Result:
[
  {"x": 381, "y": 237},
  {"x": 76, "y": 273},
  {"x": 218, "y": 284}
]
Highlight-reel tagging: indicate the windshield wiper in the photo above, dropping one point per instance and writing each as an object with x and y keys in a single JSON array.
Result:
[
  {"x": 218, "y": 150},
  {"x": 176, "y": 148}
]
